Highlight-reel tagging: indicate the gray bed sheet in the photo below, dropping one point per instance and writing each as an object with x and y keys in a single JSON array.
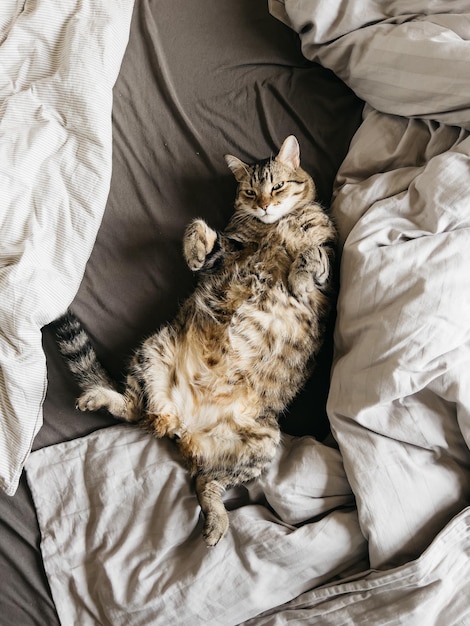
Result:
[{"x": 198, "y": 80}]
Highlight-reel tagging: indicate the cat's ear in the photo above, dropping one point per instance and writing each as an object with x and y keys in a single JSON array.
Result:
[
  {"x": 289, "y": 154},
  {"x": 239, "y": 169}
]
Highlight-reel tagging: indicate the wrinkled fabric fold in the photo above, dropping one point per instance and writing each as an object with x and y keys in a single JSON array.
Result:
[
  {"x": 127, "y": 502},
  {"x": 403, "y": 58},
  {"x": 58, "y": 64}
]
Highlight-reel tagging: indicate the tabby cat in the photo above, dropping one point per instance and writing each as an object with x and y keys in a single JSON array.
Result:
[{"x": 216, "y": 379}]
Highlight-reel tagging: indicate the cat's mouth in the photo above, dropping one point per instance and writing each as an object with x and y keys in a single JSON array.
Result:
[
  {"x": 268, "y": 218},
  {"x": 268, "y": 215}
]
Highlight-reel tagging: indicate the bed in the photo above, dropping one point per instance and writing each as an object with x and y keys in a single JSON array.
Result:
[{"x": 114, "y": 119}]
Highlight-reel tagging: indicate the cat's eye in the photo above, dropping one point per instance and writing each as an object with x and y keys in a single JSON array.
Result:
[
  {"x": 278, "y": 186},
  {"x": 250, "y": 192}
]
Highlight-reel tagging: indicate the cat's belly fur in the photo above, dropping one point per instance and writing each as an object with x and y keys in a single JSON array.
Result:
[{"x": 216, "y": 381}]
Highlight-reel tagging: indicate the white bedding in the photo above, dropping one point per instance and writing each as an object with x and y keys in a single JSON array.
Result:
[
  {"x": 59, "y": 60},
  {"x": 121, "y": 532},
  {"x": 121, "y": 543}
]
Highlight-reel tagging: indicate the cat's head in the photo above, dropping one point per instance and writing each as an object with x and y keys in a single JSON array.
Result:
[{"x": 270, "y": 189}]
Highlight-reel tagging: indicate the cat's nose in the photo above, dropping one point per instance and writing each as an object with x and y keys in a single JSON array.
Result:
[{"x": 263, "y": 203}]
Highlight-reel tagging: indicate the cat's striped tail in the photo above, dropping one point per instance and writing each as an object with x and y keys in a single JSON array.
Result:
[{"x": 75, "y": 346}]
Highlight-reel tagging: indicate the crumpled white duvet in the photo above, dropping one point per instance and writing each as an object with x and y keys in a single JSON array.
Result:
[
  {"x": 121, "y": 543},
  {"x": 59, "y": 60},
  {"x": 121, "y": 532}
]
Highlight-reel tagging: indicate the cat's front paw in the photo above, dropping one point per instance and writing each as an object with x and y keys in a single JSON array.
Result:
[
  {"x": 199, "y": 240},
  {"x": 301, "y": 284},
  {"x": 321, "y": 266},
  {"x": 309, "y": 271}
]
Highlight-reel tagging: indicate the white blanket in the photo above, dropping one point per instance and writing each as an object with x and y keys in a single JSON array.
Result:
[
  {"x": 121, "y": 543},
  {"x": 59, "y": 60},
  {"x": 400, "y": 395},
  {"x": 121, "y": 532}
]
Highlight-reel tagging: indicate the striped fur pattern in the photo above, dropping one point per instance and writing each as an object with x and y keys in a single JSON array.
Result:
[{"x": 216, "y": 379}]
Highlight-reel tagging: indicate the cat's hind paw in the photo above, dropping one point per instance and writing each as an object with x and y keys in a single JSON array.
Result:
[
  {"x": 215, "y": 527},
  {"x": 102, "y": 398},
  {"x": 199, "y": 240},
  {"x": 91, "y": 400}
]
